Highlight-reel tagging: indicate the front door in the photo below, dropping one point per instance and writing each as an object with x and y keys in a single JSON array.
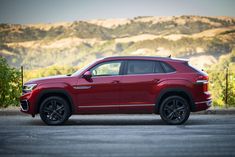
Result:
[{"x": 100, "y": 94}]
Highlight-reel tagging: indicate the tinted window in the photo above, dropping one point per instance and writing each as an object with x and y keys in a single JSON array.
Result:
[
  {"x": 106, "y": 69},
  {"x": 167, "y": 68},
  {"x": 158, "y": 68},
  {"x": 140, "y": 67}
]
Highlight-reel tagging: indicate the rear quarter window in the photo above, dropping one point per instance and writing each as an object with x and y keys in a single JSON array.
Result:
[{"x": 167, "y": 68}]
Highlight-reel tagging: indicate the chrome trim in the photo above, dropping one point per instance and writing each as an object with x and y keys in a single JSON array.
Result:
[
  {"x": 81, "y": 87},
  {"x": 137, "y": 105},
  {"x": 135, "y": 74},
  {"x": 150, "y": 74},
  {"x": 106, "y": 76},
  {"x": 27, "y": 105},
  {"x": 208, "y": 102},
  {"x": 207, "y": 93},
  {"x": 202, "y": 81}
]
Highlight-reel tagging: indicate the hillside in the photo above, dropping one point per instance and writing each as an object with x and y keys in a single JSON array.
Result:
[{"x": 201, "y": 39}]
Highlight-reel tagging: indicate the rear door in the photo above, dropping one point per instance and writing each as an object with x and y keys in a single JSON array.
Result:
[{"x": 137, "y": 87}]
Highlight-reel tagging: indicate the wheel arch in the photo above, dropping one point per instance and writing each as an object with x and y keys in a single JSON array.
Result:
[
  {"x": 54, "y": 92},
  {"x": 174, "y": 91}
]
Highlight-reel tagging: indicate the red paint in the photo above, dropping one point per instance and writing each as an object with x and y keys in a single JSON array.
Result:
[{"x": 135, "y": 93}]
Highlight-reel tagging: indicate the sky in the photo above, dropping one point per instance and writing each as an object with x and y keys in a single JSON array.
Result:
[{"x": 51, "y": 11}]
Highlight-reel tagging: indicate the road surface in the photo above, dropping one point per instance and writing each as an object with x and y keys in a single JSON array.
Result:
[{"x": 118, "y": 135}]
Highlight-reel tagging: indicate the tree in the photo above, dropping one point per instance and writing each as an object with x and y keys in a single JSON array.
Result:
[
  {"x": 217, "y": 75},
  {"x": 10, "y": 84}
]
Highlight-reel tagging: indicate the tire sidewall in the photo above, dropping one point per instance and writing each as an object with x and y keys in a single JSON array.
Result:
[
  {"x": 66, "y": 115},
  {"x": 162, "y": 110}
]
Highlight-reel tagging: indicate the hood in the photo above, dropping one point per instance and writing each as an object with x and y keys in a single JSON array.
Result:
[{"x": 49, "y": 79}]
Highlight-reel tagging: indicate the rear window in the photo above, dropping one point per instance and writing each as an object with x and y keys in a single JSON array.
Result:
[
  {"x": 147, "y": 67},
  {"x": 167, "y": 68}
]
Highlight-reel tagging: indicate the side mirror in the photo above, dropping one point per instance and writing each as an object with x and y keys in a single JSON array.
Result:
[{"x": 87, "y": 75}]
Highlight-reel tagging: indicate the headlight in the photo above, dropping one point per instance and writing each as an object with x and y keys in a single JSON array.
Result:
[{"x": 29, "y": 87}]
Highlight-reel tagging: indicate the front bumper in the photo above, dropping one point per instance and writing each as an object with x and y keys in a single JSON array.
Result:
[
  {"x": 27, "y": 103},
  {"x": 24, "y": 105}
]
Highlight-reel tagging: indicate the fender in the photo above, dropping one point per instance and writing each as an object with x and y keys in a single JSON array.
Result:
[
  {"x": 54, "y": 91},
  {"x": 175, "y": 90}
]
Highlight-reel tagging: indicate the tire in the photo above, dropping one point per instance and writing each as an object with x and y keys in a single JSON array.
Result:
[
  {"x": 54, "y": 110},
  {"x": 174, "y": 110}
]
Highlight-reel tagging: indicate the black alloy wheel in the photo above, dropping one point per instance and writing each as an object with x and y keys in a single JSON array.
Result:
[
  {"x": 174, "y": 110},
  {"x": 54, "y": 110}
]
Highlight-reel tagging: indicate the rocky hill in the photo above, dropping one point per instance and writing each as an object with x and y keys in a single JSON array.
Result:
[{"x": 201, "y": 39}]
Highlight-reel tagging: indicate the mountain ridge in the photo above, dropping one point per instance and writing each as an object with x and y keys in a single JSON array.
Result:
[{"x": 79, "y": 42}]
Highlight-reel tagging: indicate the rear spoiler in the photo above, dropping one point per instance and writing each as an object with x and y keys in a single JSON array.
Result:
[{"x": 180, "y": 59}]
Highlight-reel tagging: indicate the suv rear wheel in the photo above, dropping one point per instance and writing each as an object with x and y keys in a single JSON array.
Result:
[
  {"x": 54, "y": 110},
  {"x": 174, "y": 110}
]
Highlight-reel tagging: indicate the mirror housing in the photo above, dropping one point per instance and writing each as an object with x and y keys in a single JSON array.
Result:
[{"x": 87, "y": 75}]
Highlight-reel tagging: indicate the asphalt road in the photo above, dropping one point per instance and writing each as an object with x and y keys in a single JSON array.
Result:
[{"x": 118, "y": 135}]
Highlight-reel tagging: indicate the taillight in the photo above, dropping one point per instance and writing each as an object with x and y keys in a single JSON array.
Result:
[
  {"x": 202, "y": 78},
  {"x": 203, "y": 81},
  {"x": 205, "y": 87}
]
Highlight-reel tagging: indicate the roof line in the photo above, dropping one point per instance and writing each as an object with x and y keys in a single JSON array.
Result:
[{"x": 137, "y": 57}]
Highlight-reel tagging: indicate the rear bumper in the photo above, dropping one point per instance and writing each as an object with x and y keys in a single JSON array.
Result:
[
  {"x": 208, "y": 102},
  {"x": 203, "y": 104}
]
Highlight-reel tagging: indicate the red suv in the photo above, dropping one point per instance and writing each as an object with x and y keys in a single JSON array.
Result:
[{"x": 166, "y": 86}]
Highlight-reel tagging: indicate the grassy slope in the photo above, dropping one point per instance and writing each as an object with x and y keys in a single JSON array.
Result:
[{"x": 78, "y": 43}]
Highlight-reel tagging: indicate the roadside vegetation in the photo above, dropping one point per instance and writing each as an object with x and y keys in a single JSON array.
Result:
[
  {"x": 217, "y": 75},
  {"x": 10, "y": 84},
  {"x": 45, "y": 50},
  {"x": 10, "y": 80}
]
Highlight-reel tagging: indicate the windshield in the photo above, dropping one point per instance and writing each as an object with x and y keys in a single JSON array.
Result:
[{"x": 82, "y": 69}]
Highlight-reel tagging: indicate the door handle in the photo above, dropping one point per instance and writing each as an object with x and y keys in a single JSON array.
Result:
[{"x": 115, "y": 82}]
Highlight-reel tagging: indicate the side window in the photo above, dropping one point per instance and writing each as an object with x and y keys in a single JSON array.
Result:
[
  {"x": 107, "y": 69},
  {"x": 140, "y": 67},
  {"x": 158, "y": 68},
  {"x": 167, "y": 68}
]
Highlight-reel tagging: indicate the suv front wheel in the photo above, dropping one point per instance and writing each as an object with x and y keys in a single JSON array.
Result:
[
  {"x": 54, "y": 110},
  {"x": 174, "y": 110}
]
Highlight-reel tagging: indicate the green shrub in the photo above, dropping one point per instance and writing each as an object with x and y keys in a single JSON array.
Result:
[{"x": 10, "y": 84}]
